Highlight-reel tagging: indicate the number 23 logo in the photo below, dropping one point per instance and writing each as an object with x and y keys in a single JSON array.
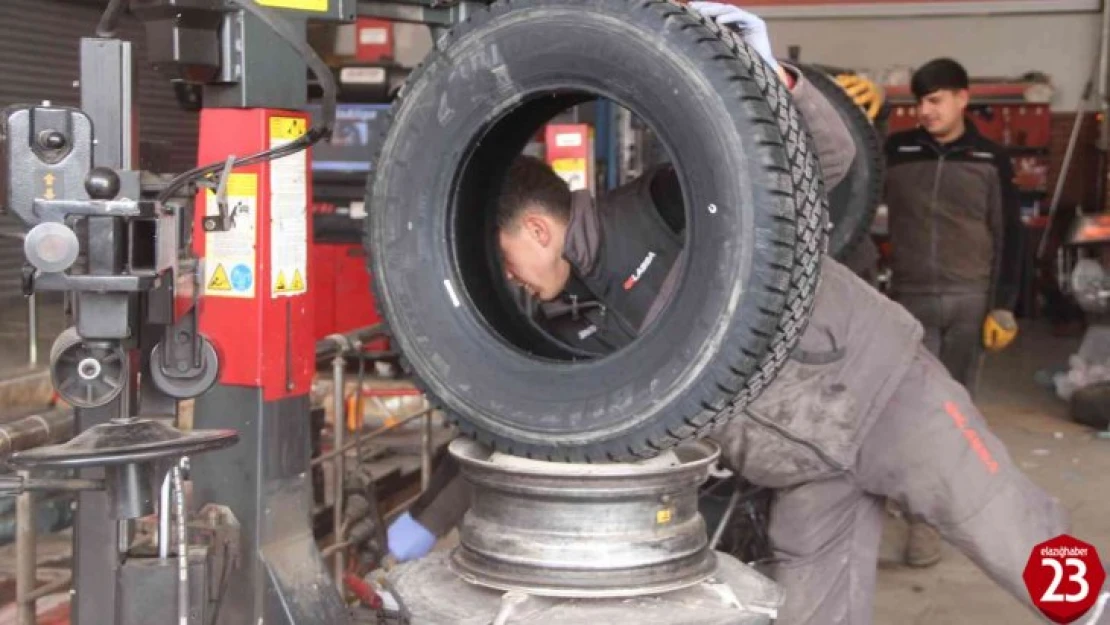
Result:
[{"x": 1080, "y": 577}]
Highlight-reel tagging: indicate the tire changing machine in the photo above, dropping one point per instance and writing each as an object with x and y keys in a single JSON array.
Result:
[{"x": 213, "y": 304}]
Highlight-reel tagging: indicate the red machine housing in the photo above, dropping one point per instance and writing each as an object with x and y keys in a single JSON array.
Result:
[
  {"x": 255, "y": 306},
  {"x": 341, "y": 294}
]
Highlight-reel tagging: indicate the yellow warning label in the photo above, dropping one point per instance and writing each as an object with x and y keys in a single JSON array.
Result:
[
  {"x": 287, "y": 128},
  {"x": 279, "y": 285},
  {"x": 230, "y": 267},
  {"x": 219, "y": 281},
  {"x": 302, "y": 5},
  {"x": 241, "y": 185},
  {"x": 664, "y": 516},
  {"x": 573, "y": 171},
  {"x": 298, "y": 281}
]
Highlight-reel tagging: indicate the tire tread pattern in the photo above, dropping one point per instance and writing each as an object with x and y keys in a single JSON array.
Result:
[{"x": 779, "y": 301}]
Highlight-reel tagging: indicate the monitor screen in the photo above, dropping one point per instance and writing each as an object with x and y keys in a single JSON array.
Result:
[{"x": 349, "y": 150}]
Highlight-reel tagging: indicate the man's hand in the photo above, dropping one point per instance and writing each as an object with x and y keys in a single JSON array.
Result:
[
  {"x": 999, "y": 330},
  {"x": 865, "y": 93},
  {"x": 748, "y": 25},
  {"x": 408, "y": 539}
]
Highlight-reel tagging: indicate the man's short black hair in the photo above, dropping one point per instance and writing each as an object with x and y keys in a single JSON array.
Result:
[
  {"x": 939, "y": 74},
  {"x": 531, "y": 182}
]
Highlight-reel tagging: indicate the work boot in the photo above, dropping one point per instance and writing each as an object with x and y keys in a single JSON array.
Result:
[{"x": 923, "y": 546}]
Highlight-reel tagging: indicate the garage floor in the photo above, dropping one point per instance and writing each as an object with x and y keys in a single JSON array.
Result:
[{"x": 1063, "y": 457}]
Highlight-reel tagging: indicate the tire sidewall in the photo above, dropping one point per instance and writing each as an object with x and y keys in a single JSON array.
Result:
[{"x": 483, "y": 73}]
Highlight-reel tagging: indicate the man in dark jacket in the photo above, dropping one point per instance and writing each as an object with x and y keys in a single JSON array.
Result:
[
  {"x": 955, "y": 222},
  {"x": 860, "y": 413},
  {"x": 955, "y": 231}
]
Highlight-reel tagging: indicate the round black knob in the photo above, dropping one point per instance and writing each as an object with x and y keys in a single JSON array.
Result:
[
  {"x": 52, "y": 140},
  {"x": 102, "y": 184}
]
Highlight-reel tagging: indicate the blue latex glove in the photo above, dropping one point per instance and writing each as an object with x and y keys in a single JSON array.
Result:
[
  {"x": 409, "y": 540},
  {"x": 750, "y": 26}
]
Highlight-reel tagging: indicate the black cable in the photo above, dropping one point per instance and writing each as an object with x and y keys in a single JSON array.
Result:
[
  {"x": 106, "y": 27},
  {"x": 323, "y": 74}
]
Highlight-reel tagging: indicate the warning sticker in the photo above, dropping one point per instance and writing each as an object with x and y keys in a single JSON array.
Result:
[
  {"x": 219, "y": 281},
  {"x": 230, "y": 261},
  {"x": 302, "y": 5},
  {"x": 288, "y": 211},
  {"x": 573, "y": 171}
]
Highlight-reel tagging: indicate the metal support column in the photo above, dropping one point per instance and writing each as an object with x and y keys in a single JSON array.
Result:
[
  {"x": 107, "y": 89},
  {"x": 267, "y": 364}
]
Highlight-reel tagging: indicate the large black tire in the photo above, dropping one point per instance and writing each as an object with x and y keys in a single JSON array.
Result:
[
  {"x": 853, "y": 202},
  {"x": 429, "y": 228}
]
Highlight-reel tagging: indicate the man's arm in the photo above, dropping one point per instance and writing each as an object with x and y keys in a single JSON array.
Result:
[
  {"x": 836, "y": 149},
  {"x": 1004, "y": 220},
  {"x": 434, "y": 513}
]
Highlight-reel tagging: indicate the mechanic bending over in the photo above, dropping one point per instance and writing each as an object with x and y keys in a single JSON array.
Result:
[{"x": 860, "y": 413}]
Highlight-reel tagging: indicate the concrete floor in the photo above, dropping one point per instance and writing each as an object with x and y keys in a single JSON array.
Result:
[{"x": 1061, "y": 456}]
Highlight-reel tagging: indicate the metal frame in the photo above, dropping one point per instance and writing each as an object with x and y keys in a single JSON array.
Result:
[{"x": 337, "y": 347}]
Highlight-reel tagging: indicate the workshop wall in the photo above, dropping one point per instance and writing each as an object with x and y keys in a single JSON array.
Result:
[
  {"x": 1064, "y": 46},
  {"x": 40, "y": 60}
]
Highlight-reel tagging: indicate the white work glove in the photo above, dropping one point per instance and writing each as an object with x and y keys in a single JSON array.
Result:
[{"x": 749, "y": 26}]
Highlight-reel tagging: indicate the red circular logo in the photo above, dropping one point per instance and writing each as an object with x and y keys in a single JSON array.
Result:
[{"x": 1064, "y": 576}]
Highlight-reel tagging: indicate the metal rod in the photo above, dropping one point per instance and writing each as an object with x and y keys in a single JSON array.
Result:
[
  {"x": 338, "y": 344},
  {"x": 32, "y": 331},
  {"x": 322, "y": 458},
  {"x": 1104, "y": 78},
  {"x": 1102, "y": 144},
  {"x": 164, "y": 518},
  {"x": 426, "y": 449},
  {"x": 25, "y": 558},
  {"x": 725, "y": 518},
  {"x": 1065, "y": 168},
  {"x": 182, "y": 550},
  {"x": 359, "y": 412},
  {"x": 337, "y": 366},
  {"x": 50, "y": 588},
  {"x": 68, "y": 485},
  {"x": 123, "y": 535},
  {"x": 35, "y": 430},
  {"x": 327, "y": 552}
]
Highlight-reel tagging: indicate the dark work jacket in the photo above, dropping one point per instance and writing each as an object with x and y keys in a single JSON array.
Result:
[
  {"x": 621, "y": 250},
  {"x": 955, "y": 218}
]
